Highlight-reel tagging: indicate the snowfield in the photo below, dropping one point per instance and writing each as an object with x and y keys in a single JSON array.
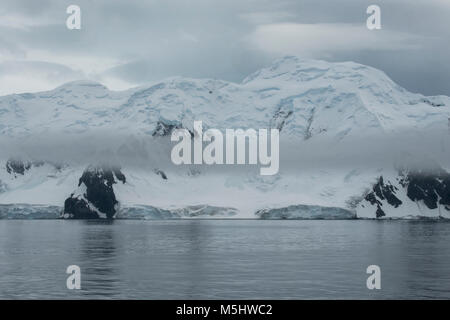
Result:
[{"x": 342, "y": 127}]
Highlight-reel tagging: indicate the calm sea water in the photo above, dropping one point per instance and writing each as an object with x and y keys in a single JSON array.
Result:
[{"x": 232, "y": 259}]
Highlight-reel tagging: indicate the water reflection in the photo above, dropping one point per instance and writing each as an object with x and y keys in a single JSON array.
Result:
[
  {"x": 196, "y": 265},
  {"x": 224, "y": 259},
  {"x": 98, "y": 253},
  {"x": 426, "y": 258}
]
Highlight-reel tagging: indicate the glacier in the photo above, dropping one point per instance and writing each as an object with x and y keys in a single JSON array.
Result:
[{"x": 342, "y": 127}]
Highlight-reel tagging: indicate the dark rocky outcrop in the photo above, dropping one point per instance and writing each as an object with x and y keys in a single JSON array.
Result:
[
  {"x": 17, "y": 167},
  {"x": 431, "y": 187},
  {"x": 383, "y": 191},
  {"x": 78, "y": 208},
  {"x": 165, "y": 128},
  {"x": 119, "y": 175},
  {"x": 428, "y": 186},
  {"x": 161, "y": 174},
  {"x": 280, "y": 117},
  {"x": 95, "y": 196},
  {"x": 433, "y": 103}
]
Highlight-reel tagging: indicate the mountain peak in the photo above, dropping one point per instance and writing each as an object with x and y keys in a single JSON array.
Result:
[
  {"x": 298, "y": 69},
  {"x": 303, "y": 98},
  {"x": 82, "y": 85}
]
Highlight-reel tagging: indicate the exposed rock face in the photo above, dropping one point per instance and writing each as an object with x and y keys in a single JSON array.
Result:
[
  {"x": 95, "y": 196},
  {"x": 165, "y": 129},
  {"x": 433, "y": 188},
  {"x": 383, "y": 191},
  {"x": 429, "y": 189},
  {"x": 161, "y": 173},
  {"x": 17, "y": 167},
  {"x": 280, "y": 117}
]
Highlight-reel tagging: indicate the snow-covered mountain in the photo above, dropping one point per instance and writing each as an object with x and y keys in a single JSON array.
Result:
[{"x": 81, "y": 144}]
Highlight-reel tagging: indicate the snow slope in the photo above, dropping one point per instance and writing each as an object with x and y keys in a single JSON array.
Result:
[
  {"x": 337, "y": 99},
  {"x": 319, "y": 107}
]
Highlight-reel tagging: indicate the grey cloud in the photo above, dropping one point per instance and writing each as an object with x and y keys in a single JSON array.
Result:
[
  {"x": 57, "y": 70},
  {"x": 151, "y": 40},
  {"x": 324, "y": 154},
  {"x": 30, "y": 76},
  {"x": 10, "y": 50}
]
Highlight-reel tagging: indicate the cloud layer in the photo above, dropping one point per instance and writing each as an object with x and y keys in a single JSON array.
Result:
[{"x": 129, "y": 43}]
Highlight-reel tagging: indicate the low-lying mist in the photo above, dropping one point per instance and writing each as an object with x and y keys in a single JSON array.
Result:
[{"x": 317, "y": 153}]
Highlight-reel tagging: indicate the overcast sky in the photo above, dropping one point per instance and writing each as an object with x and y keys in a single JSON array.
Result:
[{"x": 133, "y": 42}]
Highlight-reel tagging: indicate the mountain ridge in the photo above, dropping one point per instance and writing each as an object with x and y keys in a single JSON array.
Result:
[{"x": 309, "y": 101}]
